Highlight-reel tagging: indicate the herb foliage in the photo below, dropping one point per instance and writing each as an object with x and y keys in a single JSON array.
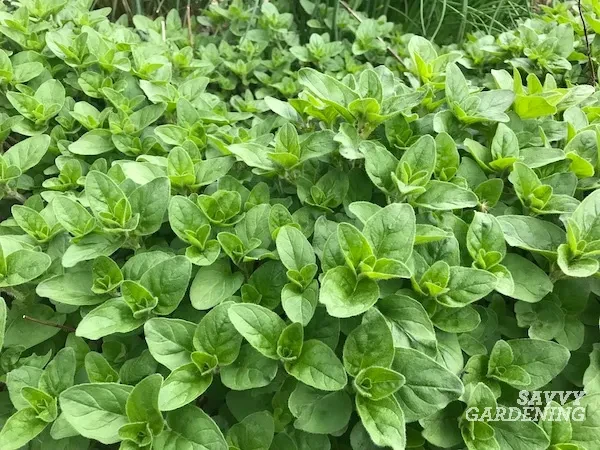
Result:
[{"x": 247, "y": 242}]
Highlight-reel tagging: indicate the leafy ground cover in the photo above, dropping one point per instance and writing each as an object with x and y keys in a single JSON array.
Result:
[{"x": 220, "y": 235}]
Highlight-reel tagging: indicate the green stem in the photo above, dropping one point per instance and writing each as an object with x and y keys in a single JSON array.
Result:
[
  {"x": 334, "y": 25},
  {"x": 463, "y": 23},
  {"x": 386, "y": 7},
  {"x": 442, "y": 17}
]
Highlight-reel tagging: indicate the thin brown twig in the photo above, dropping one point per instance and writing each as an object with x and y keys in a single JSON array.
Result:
[
  {"x": 357, "y": 17},
  {"x": 188, "y": 15},
  {"x": 587, "y": 44},
  {"x": 49, "y": 324}
]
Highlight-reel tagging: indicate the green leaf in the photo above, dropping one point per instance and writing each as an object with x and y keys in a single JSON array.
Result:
[
  {"x": 19, "y": 378},
  {"x": 410, "y": 324},
  {"x": 28, "y": 152},
  {"x": 318, "y": 366},
  {"x": 255, "y": 432},
  {"x": 72, "y": 288},
  {"x": 24, "y": 333},
  {"x": 542, "y": 360},
  {"x": 23, "y": 266},
  {"x": 99, "y": 370},
  {"x": 485, "y": 234},
  {"x": 168, "y": 281},
  {"x": 378, "y": 383},
  {"x": 505, "y": 144},
  {"x": 113, "y": 316},
  {"x": 300, "y": 304},
  {"x": 289, "y": 344},
  {"x": 353, "y": 244},
  {"x": 319, "y": 412},
  {"x": 585, "y": 218},
  {"x": 250, "y": 370},
  {"x": 96, "y": 410},
  {"x": 531, "y": 284},
  {"x": 217, "y": 335},
  {"x": 443, "y": 196},
  {"x": 59, "y": 374},
  {"x": 150, "y": 201},
  {"x": 457, "y": 89},
  {"x": 93, "y": 143},
  {"x": 383, "y": 420},
  {"x": 73, "y": 216},
  {"x": 142, "y": 403},
  {"x": 467, "y": 285},
  {"x": 107, "y": 275},
  {"x": 391, "y": 232},
  {"x": 259, "y": 326},
  {"x": 346, "y": 295},
  {"x": 380, "y": 164},
  {"x": 428, "y": 386},
  {"x": 214, "y": 284},
  {"x": 182, "y": 386},
  {"x": 294, "y": 249},
  {"x": 369, "y": 344},
  {"x": 533, "y": 234},
  {"x": 326, "y": 87},
  {"x": 104, "y": 196},
  {"x": 520, "y": 435},
  {"x": 192, "y": 428},
  {"x": 20, "y": 428},
  {"x": 170, "y": 341},
  {"x": 586, "y": 433}
]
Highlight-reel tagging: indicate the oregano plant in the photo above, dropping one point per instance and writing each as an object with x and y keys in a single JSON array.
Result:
[{"x": 221, "y": 234}]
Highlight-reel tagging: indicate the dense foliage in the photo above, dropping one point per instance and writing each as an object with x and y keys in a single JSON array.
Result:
[{"x": 218, "y": 235}]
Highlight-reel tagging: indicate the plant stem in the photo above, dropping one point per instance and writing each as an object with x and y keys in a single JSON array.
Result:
[
  {"x": 587, "y": 44},
  {"x": 49, "y": 324},
  {"x": 334, "y": 25},
  {"x": 114, "y": 10},
  {"x": 357, "y": 17},
  {"x": 16, "y": 196},
  {"x": 188, "y": 14},
  {"x": 442, "y": 17},
  {"x": 463, "y": 23},
  {"x": 127, "y": 7},
  {"x": 386, "y": 8}
]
